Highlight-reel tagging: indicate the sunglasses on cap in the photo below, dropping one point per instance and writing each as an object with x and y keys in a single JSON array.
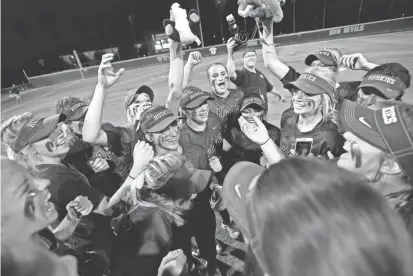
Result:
[
  {"x": 193, "y": 108},
  {"x": 372, "y": 91}
]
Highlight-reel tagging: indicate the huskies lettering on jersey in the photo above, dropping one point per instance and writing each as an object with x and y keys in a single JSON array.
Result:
[
  {"x": 214, "y": 141},
  {"x": 34, "y": 121},
  {"x": 223, "y": 112},
  {"x": 104, "y": 154},
  {"x": 307, "y": 77},
  {"x": 161, "y": 114},
  {"x": 381, "y": 78}
]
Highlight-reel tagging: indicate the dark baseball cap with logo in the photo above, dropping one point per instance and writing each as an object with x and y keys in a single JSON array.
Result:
[
  {"x": 385, "y": 129},
  {"x": 133, "y": 94},
  {"x": 252, "y": 99},
  {"x": 311, "y": 84},
  {"x": 389, "y": 87},
  {"x": 74, "y": 108},
  {"x": 35, "y": 130},
  {"x": 325, "y": 56},
  {"x": 156, "y": 118},
  {"x": 194, "y": 98}
]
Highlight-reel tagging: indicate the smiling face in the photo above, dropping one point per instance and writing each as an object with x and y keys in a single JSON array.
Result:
[
  {"x": 250, "y": 59},
  {"x": 361, "y": 157},
  {"x": 199, "y": 114},
  {"x": 167, "y": 139},
  {"x": 218, "y": 79},
  {"x": 25, "y": 201},
  {"x": 141, "y": 102},
  {"x": 54, "y": 146},
  {"x": 304, "y": 103}
]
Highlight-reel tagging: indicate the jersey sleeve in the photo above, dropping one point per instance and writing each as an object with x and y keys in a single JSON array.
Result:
[
  {"x": 239, "y": 80},
  {"x": 268, "y": 84},
  {"x": 291, "y": 75},
  {"x": 334, "y": 141}
]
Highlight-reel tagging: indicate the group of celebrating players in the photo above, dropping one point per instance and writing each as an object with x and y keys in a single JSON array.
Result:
[{"x": 315, "y": 196}]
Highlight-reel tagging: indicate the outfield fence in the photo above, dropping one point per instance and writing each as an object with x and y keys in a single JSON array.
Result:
[{"x": 387, "y": 26}]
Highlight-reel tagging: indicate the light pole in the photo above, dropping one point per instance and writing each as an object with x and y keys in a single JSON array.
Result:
[
  {"x": 391, "y": 8},
  {"x": 324, "y": 13},
  {"x": 361, "y": 6},
  {"x": 293, "y": 15},
  {"x": 130, "y": 18},
  {"x": 200, "y": 24}
]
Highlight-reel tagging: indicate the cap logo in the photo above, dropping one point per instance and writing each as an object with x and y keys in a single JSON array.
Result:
[
  {"x": 324, "y": 53},
  {"x": 32, "y": 123},
  {"x": 389, "y": 115},
  {"x": 251, "y": 100},
  {"x": 193, "y": 96},
  {"x": 363, "y": 121},
  {"x": 381, "y": 78},
  {"x": 236, "y": 187},
  {"x": 160, "y": 115},
  {"x": 76, "y": 106},
  {"x": 308, "y": 77}
]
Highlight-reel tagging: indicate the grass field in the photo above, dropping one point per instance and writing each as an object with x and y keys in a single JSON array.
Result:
[{"x": 392, "y": 47}]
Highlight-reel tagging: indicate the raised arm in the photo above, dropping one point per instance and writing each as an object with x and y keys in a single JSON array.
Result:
[
  {"x": 106, "y": 78},
  {"x": 176, "y": 71},
  {"x": 357, "y": 62},
  {"x": 269, "y": 53},
  {"x": 194, "y": 59},
  {"x": 230, "y": 62}
]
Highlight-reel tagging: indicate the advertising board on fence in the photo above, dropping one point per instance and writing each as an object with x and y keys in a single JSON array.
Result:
[{"x": 394, "y": 25}]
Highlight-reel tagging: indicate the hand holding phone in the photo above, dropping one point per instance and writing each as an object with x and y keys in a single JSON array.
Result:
[{"x": 303, "y": 146}]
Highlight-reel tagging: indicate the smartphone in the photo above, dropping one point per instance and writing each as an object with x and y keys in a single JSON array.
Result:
[{"x": 303, "y": 146}]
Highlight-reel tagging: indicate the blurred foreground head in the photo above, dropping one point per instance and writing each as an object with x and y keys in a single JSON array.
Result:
[
  {"x": 30, "y": 259},
  {"x": 305, "y": 217}
]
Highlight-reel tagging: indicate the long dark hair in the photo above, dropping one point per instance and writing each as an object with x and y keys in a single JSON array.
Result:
[{"x": 316, "y": 219}]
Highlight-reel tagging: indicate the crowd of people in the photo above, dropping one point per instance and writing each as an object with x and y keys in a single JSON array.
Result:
[{"x": 329, "y": 192}]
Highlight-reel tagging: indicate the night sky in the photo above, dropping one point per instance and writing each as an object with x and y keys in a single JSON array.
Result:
[{"x": 46, "y": 29}]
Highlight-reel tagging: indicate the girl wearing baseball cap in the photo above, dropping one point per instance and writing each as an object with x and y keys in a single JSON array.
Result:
[
  {"x": 241, "y": 148},
  {"x": 161, "y": 196},
  {"x": 312, "y": 117}
]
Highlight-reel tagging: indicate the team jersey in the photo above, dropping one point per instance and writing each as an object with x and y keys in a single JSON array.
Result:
[
  {"x": 243, "y": 149},
  {"x": 227, "y": 107},
  {"x": 325, "y": 136},
  {"x": 253, "y": 82},
  {"x": 198, "y": 147}
]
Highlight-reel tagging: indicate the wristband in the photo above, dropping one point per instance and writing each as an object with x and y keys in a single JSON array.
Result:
[
  {"x": 265, "y": 142},
  {"x": 131, "y": 177}
]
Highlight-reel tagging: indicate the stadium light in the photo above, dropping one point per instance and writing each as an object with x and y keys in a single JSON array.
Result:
[
  {"x": 293, "y": 15},
  {"x": 391, "y": 8},
  {"x": 324, "y": 14},
  {"x": 361, "y": 6}
]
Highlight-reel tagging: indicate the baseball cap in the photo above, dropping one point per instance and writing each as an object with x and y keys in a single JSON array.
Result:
[
  {"x": 156, "y": 118},
  {"x": 37, "y": 129},
  {"x": 384, "y": 129},
  {"x": 237, "y": 184},
  {"x": 388, "y": 86},
  {"x": 252, "y": 99},
  {"x": 131, "y": 95},
  {"x": 194, "y": 98},
  {"x": 74, "y": 108},
  {"x": 248, "y": 50},
  {"x": 186, "y": 181},
  {"x": 326, "y": 56},
  {"x": 237, "y": 188},
  {"x": 311, "y": 84}
]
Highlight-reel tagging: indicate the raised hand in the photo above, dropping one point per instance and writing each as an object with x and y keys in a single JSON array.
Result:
[
  {"x": 195, "y": 58},
  {"x": 142, "y": 154},
  {"x": 255, "y": 132},
  {"x": 355, "y": 61},
  {"x": 99, "y": 165},
  {"x": 106, "y": 75},
  {"x": 231, "y": 43},
  {"x": 80, "y": 206},
  {"x": 173, "y": 264}
]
